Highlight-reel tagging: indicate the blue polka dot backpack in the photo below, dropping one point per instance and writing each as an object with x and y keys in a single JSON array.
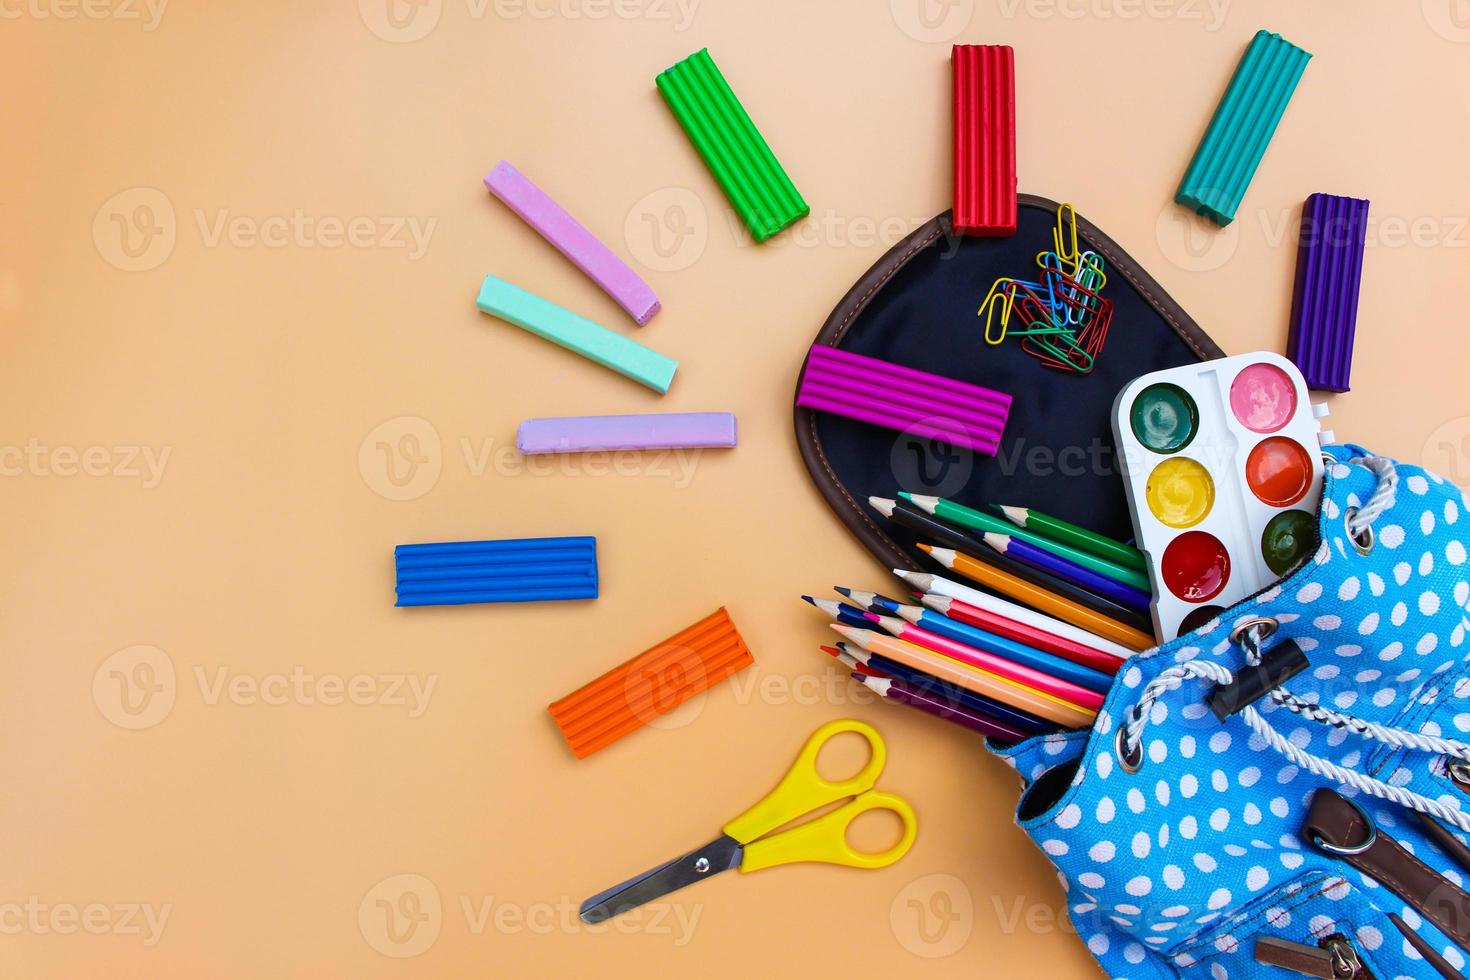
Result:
[{"x": 1282, "y": 792}]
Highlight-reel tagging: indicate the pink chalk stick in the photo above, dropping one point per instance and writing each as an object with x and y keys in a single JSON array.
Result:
[{"x": 585, "y": 250}]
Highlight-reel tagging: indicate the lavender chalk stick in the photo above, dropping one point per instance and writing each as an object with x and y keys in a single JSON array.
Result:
[
  {"x": 585, "y": 250},
  {"x": 597, "y": 433}
]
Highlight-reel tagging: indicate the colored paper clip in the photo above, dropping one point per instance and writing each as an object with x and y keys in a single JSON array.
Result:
[{"x": 1000, "y": 295}]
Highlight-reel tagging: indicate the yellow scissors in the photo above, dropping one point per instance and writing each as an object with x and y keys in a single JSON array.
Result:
[{"x": 745, "y": 844}]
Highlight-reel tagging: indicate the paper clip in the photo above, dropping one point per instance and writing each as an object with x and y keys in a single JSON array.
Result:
[{"x": 999, "y": 293}]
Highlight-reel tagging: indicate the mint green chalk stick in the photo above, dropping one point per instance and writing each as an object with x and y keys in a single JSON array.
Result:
[{"x": 592, "y": 340}]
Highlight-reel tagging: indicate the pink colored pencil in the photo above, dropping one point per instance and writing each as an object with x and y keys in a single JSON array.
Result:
[
  {"x": 1011, "y": 629},
  {"x": 821, "y": 351},
  {"x": 1019, "y": 673},
  {"x": 903, "y": 424}
]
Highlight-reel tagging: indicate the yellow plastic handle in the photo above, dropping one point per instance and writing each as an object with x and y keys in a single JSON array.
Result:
[
  {"x": 825, "y": 839},
  {"x": 803, "y": 789}
]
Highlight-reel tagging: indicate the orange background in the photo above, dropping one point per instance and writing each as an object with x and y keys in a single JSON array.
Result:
[{"x": 161, "y": 300}]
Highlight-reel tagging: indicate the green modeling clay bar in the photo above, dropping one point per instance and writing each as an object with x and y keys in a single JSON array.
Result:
[
  {"x": 593, "y": 341},
  {"x": 732, "y": 147},
  {"x": 1244, "y": 122}
]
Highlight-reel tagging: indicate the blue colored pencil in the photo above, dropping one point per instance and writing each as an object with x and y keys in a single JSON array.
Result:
[
  {"x": 1068, "y": 570},
  {"x": 842, "y": 612},
  {"x": 872, "y": 601},
  {"x": 1000, "y": 646},
  {"x": 950, "y": 692}
]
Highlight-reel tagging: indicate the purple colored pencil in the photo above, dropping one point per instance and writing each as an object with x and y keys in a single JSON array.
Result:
[
  {"x": 1324, "y": 303},
  {"x": 878, "y": 398},
  {"x": 889, "y": 420},
  {"x": 846, "y": 376},
  {"x": 898, "y": 691},
  {"x": 1069, "y": 571},
  {"x": 820, "y": 351}
]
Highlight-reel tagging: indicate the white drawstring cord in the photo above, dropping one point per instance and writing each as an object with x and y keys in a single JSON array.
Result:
[{"x": 1359, "y": 522}]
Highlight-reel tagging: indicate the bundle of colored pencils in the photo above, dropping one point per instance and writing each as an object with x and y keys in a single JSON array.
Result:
[{"x": 1036, "y": 652}]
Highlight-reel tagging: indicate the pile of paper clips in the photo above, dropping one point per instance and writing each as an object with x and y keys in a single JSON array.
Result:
[{"x": 1063, "y": 318}]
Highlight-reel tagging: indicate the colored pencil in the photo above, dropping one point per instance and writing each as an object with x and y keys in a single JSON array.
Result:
[
  {"x": 893, "y": 690},
  {"x": 852, "y": 663},
  {"x": 1015, "y": 629},
  {"x": 1001, "y": 646},
  {"x": 1028, "y": 699},
  {"x": 1070, "y": 571},
  {"x": 985, "y": 660},
  {"x": 930, "y": 584},
  {"x": 978, "y": 520},
  {"x": 842, "y": 612},
  {"x": 1048, "y": 582},
  {"x": 1041, "y": 599},
  {"x": 1078, "y": 537},
  {"x": 946, "y": 692},
  {"x": 929, "y": 527},
  {"x": 871, "y": 601}
]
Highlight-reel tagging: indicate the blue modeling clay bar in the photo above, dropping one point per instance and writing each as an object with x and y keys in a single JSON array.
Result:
[
  {"x": 592, "y": 340},
  {"x": 1243, "y": 125},
  {"x": 454, "y": 573}
]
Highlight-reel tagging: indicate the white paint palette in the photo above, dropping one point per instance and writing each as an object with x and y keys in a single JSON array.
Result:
[{"x": 1223, "y": 470}]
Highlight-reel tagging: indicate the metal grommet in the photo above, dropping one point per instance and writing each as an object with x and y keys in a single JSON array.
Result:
[
  {"x": 1368, "y": 842},
  {"x": 1363, "y": 540},
  {"x": 1131, "y": 763},
  {"x": 1267, "y": 626}
]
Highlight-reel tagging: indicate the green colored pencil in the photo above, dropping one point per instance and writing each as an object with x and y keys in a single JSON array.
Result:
[
  {"x": 1078, "y": 537},
  {"x": 948, "y": 510}
]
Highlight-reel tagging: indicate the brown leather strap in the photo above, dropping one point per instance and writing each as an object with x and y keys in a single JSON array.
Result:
[
  {"x": 1335, "y": 825},
  {"x": 1431, "y": 955}
]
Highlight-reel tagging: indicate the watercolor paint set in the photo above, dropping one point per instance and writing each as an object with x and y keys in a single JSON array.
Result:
[{"x": 1223, "y": 471}]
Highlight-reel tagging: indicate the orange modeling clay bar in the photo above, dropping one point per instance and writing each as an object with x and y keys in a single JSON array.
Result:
[{"x": 653, "y": 683}]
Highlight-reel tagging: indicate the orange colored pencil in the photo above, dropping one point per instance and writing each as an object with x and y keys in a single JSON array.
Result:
[
  {"x": 1040, "y": 599},
  {"x": 982, "y": 682}
]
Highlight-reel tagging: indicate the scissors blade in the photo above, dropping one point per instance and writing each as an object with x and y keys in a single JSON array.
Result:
[{"x": 722, "y": 854}]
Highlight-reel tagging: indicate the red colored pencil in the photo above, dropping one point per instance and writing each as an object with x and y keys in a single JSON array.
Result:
[
  {"x": 852, "y": 663},
  {"x": 1023, "y": 633}
]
